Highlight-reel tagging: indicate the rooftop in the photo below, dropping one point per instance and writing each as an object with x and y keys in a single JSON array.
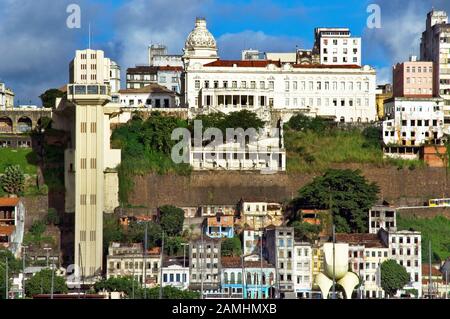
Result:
[
  {"x": 151, "y": 88},
  {"x": 368, "y": 240},
  {"x": 236, "y": 262},
  {"x": 224, "y": 221},
  {"x": 9, "y": 202},
  {"x": 426, "y": 271},
  {"x": 265, "y": 63}
]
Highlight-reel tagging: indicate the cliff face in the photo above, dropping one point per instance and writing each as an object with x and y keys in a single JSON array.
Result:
[{"x": 401, "y": 187}]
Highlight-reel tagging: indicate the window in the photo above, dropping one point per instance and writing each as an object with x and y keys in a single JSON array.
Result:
[
  {"x": 197, "y": 84},
  {"x": 271, "y": 85}
]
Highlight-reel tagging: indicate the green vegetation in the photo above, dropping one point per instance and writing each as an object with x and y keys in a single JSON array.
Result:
[
  {"x": 346, "y": 193},
  {"x": 393, "y": 277},
  {"x": 13, "y": 181},
  {"x": 14, "y": 267},
  {"x": 41, "y": 283},
  {"x": 133, "y": 289},
  {"x": 35, "y": 236},
  {"x": 232, "y": 247},
  {"x": 48, "y": 98},
  {"x": 52, "y": 217},
  {"x": 313, "y": 145},
  {"x": 306, "y": 231},
  {"x": 172, "y": 219},
  {"x": 25, "y": 158},
  {"x": 436, "y": 229}
]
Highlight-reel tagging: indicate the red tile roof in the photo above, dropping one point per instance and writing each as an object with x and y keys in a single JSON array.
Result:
[
  {"x": 264, "y": 63},
  {"x": 426, "y": 271},
  {"x": 368, "y": 240},
  {"x": 151, "y": 88},
  {"x": 9, "y": 202},
  {"x": 170, "y": 68},
  {"x": 236, "y": 262},
  {"x": 225, "y": 221},
  {"x": 7, "y": 230}
]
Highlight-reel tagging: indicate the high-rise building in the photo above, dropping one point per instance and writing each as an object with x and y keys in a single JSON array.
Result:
[
  {"x": 435, "y": 47},
  {"x": 413, "y": 78},
  {"x": 337, "y": 46},
  {"x": 90, "y": 165},
  {"x": 158, "y": 56}
]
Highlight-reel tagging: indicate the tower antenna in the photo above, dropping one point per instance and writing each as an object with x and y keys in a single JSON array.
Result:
[{"x": 89, "y": 35}]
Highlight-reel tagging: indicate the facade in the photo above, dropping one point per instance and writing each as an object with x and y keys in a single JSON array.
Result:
[
  {"x": 413, "y": 78},
  {"x": 91, "y": 178},
  {"x": 264, "y": 153},
  {"x": 114, "y": 77},
  {"x": 6, "y": 97},
  {"x": 382, "y": 217},
  {"x": 413, "y": 121},
  {"x": 366, "y": 254},
  {"x": 435, "y": 47},
  {"x": 259, "y": 214},
  {"x": 344, "y": 92},
  {"x": 129, "y": 260},
  {"x": 158, "y": 56},
  {"x": 213, "y": 210},
  {"x": 141, "y": 76},
  {"x": 12, "y": 224},
  {"x": 383, "y": 93},
  {"x": 150, "y": 96},
  {"x": 175, "y": 273},
  {"x": 303, "y": 277},
  {"x": 170, "y": 77},
  {"x": 204, "y": 264},
  {"x": 220, "y": 226},
  {"x": 248, "y": 279},
  {"x": 280, "y": 252},
  {"x": 405, "y": 248},
  {"x": 337, "y": 46},
  {"x": 252, "y": 240}
]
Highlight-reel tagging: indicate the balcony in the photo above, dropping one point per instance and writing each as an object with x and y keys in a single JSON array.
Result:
[{"x": 88, "y": 92}]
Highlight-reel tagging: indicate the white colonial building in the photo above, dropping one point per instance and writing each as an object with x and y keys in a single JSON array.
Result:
[
  {"x": 150, "y": 96},
  {"x": 175, "y": 273},
  {"x": 344, "y": 92},
  {"x": 413, "y": 121},
  {"x": 303, "y": 278}
]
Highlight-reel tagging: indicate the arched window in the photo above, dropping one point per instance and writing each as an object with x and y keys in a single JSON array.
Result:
[
  {"x": 271, "y": 277},
  {"x": 239, "y": 278},
  {"x": 24, "y": 124},
  {"x": 249, "y": 279},
  {"x": 342, "y": 120},
  {"x": 263, "y": 278},
  {"x": 226, "y": 278},
  {"x": 6, "y": 125},
  {"x": 359, "y": 120},
  {"x": 232, "y": 278},
  {"x": 255, "y": 279}
]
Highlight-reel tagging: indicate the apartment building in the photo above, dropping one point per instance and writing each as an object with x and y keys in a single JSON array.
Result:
[
  {"x": 258, "y": 214},
  {"x": 252, "y": 240},
  {"x": 405, "y": 247},
  {"x": 280, "y": 252},
  {"x": 129, "y": 260},
  {"x": 343, "y": 92},
  {"x": 435, "y": 47},
  {"x": 366, "y": 254},
  {"x": 413, "y": 78},
  {"x": 204, "y": 264},
  {"x": 302, "y": 274},
  {"x": 337, "y": 46},
  {"x": 382, "y": 217}
]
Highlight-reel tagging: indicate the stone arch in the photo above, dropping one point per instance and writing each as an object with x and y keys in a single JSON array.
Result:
[
  {"x": 24, "y": 124},
  {"x": 6, "y": 125}
]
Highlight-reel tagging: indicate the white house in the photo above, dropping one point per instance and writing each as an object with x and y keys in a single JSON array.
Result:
[
  {"x": 412, "y": 121},
  {"x": 150, "y": 96},
  {"x": 175, "y": 273},
  {"x": 302, "y": 275}
]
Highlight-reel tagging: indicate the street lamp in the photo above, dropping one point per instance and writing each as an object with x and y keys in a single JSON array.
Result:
[{"x": 47, "y": 249}]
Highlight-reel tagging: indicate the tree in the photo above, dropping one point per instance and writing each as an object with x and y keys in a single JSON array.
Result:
[
  {"x": 48, "y": 98},
  {"x": 52, "y": 217},
  {"x": 112, "y": 232},
  {"x": 136, "y": 233},
  {"x": 301, "y": 122},
  {"x": 119, "y": 284},
  {"x": 13, "y": 181},
  {"x": 305, "y": 231},
  {"x": 231, "y": 247},
  {"x": 41, "y": 283},
  {"x": 171, "y": 220},
  {"x": 346, "y": 193},
  {"x": 393, "y": 277}
]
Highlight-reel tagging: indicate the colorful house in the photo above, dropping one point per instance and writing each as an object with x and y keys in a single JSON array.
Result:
[
  {"x": 220, "y": 226},
  {"x": 12, "y": 224}
]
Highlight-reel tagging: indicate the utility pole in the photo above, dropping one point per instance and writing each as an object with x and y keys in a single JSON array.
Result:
[
  {"x": 47, "y": 249},
  {"x": 144, "y": 277},
  {"x": 202, "y": 255},
  {"x": 261, "y": 257},
  {"x": 6, "y": 279},
  {"x": 53, "y": 281},
  {"x": 334, "y": 262},
  {"x": 132, "y": 287},
  {"x": 161, "y": 268},
  {"x": 24, "y": 257},
  {"x": 430, "y": 284}
]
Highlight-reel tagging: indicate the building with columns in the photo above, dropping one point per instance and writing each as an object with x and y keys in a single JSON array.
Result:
[
  {"x": 90, "y": 164},
  {"x": 345, "y": 92},
  {"x": 6, "y": 97}
]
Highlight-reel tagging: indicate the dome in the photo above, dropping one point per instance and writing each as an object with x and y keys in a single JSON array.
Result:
[{"x": 200, "y": 37}]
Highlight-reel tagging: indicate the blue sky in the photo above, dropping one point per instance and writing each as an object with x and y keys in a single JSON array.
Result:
[{"x": 36, "y": 46}]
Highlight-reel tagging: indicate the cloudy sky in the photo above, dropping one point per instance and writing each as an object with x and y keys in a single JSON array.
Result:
[{"x": 36, "y": 45}]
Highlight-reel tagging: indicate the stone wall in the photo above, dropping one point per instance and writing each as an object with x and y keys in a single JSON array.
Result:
[
  {"x": 36, "y": 209},
  {"x": 397, "y": 186}
]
